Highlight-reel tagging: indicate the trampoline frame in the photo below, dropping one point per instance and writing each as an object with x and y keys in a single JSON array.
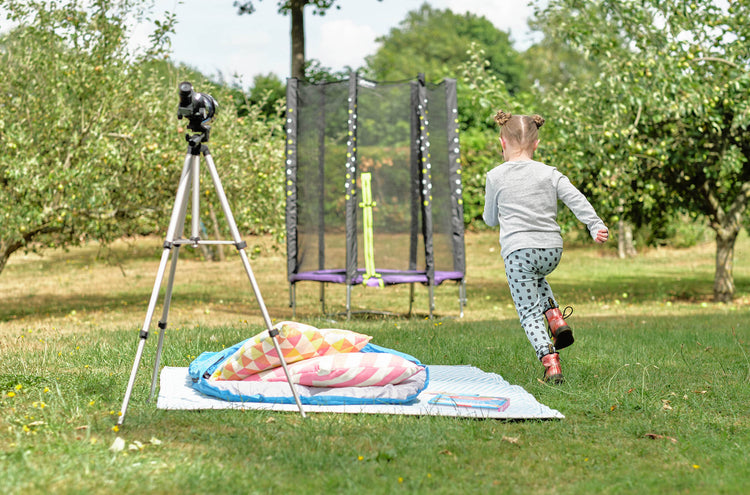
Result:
[{"x": 421, "y": 186}]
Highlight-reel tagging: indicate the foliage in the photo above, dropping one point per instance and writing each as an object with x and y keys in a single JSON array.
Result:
[
  {"x": 285, "y": 6},
  {"x": 435, "y": 42},
  {"x": 481, "y": 93},
  {"x": 316, "y": 73},
  {"x": 79, "y": 123},
  {"x": 89, "y": 132},
  {"x": 267, "y": 91},
  {"x": 295, "y": 9},
  {"x": 248, "y": 147},
  {"x": 553, "y": 65},
  {"x": 681, "y": 231},
  {"x": 669, "y": 127}
]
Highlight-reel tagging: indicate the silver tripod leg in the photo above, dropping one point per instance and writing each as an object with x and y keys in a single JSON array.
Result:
[
  {"x": 163, "y": 322},
  {"x": 240, "y": 245},
  {"x": 170, "y": 281},
  {"x": 173, "y": 223}
]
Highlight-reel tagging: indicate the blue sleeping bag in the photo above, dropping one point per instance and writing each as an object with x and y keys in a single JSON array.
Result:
[{"x": 204, "y": 366}]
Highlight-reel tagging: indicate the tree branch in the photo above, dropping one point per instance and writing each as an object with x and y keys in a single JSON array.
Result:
[
  {"x": 716, "y": 59},
  {"x": 739, "y": 205},
  {"x": 717, "y": 215}
]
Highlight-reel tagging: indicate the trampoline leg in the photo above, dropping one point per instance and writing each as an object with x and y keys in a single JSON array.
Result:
[
  {"x": 411, "y": 298},
  {"x": 348, "y": 302},
  {"x": 432, "y": 300},
  {"x": 462, "y": 297},
  {"x": 323, "y": 297},
  {"x": 293, "y": 300}
]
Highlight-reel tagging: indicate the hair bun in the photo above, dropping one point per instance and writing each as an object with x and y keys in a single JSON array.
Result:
[
  {"x": 502, "y": 118},
  {"x": 538, "y": 120}
]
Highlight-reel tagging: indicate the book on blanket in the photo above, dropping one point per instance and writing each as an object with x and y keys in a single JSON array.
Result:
[{"x": 473, "y": 401}]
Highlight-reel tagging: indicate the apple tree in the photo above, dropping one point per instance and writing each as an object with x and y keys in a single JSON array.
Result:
[{"x": 664, "y": 127}]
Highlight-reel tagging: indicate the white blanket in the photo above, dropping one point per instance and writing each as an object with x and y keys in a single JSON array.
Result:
[{"x": 463, "y": 391}]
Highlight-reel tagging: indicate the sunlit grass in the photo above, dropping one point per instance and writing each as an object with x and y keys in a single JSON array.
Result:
[{"x": 656, "y": 399}]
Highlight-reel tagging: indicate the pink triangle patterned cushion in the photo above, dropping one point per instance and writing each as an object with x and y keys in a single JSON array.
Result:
[
  {"x": 356, "y": 369},
  {"x": 297, "y": 342}
]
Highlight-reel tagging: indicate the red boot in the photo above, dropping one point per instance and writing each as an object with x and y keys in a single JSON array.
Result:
[
  {"x": 562, "y": 335},
  {"x": 552, "y": 369}
]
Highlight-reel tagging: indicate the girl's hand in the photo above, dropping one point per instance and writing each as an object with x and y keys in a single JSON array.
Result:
[{"x": 602, "y": 236}]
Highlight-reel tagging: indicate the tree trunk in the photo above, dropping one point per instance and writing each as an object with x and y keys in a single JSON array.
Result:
[
  {"x": 724, "y": 277},
  {"x": 625, "y": 246},
  {"x": 727, "y": 224},
  {"x": 298, "y": 38},
  {"x": 3, "y": 257},
  {"x": 6, "y": 249}
]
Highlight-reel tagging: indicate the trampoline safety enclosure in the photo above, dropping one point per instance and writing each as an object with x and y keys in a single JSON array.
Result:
[{"x": 373, "y": 186}]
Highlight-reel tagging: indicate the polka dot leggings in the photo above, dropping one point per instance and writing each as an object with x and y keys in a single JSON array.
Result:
[{"x": 526, "y": 269}]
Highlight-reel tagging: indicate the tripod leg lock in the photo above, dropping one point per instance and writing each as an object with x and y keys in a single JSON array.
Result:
[
  {"x": 240, "y": 245},
  {"x": 168, "y": 245},
  {"x": 143, "y": 335}
]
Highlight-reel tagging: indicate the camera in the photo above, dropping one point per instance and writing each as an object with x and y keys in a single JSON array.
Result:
[{"x": 198, "y": 108}]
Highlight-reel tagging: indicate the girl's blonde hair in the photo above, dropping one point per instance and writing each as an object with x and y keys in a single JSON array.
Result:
[{"x": 519, "y": 130}]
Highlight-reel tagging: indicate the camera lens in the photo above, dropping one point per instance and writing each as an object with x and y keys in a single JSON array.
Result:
[{"x": 186, "y": 94}]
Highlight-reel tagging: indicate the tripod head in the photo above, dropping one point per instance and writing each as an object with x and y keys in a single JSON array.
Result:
[{"x": 199, "y": 109}]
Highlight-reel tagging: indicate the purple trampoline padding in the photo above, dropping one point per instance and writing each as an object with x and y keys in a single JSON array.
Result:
[
  {"x": 333, "y": 276},
  {"x": 389, "y": 277}
]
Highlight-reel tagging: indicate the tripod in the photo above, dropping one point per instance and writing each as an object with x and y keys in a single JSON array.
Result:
[{"x": 173, "y": 241}]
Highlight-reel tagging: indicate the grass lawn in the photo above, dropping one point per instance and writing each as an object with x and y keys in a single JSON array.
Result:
[{"x": 657, "y": 398}]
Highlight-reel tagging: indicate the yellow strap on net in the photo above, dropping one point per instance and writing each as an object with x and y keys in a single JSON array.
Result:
[{"x": 367, "y": 205}]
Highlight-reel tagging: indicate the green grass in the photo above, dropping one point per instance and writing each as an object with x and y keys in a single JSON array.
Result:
[{"x": 657, "y": 398}]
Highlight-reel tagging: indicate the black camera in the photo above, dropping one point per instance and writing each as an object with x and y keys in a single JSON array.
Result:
[{"x": 198, "y": 108}]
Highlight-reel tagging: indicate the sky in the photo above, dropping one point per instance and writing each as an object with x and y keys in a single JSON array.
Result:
[{"x": 212, "y": 38}]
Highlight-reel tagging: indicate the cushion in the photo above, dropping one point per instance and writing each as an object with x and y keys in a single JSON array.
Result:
[
  {"x": 297, "y": 342},
  {"x": 357, "y": 369}
]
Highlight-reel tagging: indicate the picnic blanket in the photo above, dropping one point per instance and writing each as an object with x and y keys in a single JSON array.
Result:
[{"x": 460, "y": 391}]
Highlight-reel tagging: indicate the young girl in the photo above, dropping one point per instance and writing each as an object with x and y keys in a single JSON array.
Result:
[{"x": 521, "y": 196}]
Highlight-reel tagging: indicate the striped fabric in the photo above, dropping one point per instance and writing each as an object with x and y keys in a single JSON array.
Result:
[
  {"x": 297, "y": 342},
  {"x": 356, "y": 369}
]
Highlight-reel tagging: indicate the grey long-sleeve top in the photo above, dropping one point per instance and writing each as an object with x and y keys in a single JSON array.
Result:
[{"x": 522, "y": 196}]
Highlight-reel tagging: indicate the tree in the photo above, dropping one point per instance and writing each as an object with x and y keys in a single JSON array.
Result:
[
  {"x": 294, "y": 8},
  {"x": 481, "y": 93},
  {"x": 665, "y": 127},
  {"x": 91, "y": 144},
  {"x": 435, "y": 42},
  {"x": 266, "y": 92},
  {"x": 316, "y": 73},
  {"x": 555, "y": 65},
  {"x": 73, "y": 115}
]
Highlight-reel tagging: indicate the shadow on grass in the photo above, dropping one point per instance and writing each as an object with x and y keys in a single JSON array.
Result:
[
  {"x": 61, "y": 305},
  {"x": 637, "y": 289}
]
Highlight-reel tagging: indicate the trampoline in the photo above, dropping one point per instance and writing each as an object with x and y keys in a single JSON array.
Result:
[{"x": 373, "y": 186}]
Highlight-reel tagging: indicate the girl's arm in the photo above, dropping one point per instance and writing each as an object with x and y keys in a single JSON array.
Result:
[
  {"x": 582, "y": 209},
  {"x": 490, "y": 204}
]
